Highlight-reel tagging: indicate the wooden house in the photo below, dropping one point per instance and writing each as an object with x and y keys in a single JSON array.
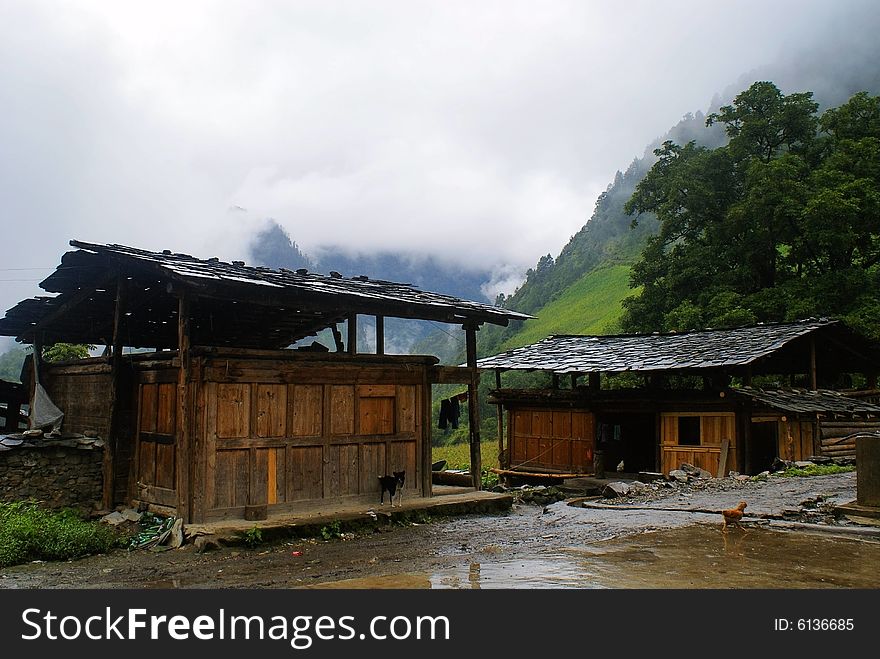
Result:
[
  {"x": 583, "y": 426},
  {"x": 219, "y": 417}
]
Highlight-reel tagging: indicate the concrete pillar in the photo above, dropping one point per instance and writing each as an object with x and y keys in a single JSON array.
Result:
[{"x": 868, "y": 471}]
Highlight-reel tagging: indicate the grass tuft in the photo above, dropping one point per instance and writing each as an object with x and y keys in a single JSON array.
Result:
[
  {"x": 29, "y": 532},
  {"x": 815, "y": 470}
]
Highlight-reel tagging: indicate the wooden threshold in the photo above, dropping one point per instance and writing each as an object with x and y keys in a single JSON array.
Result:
[{"x": 538, "y": 474}]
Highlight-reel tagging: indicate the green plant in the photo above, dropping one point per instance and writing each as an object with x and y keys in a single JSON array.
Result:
[
  {"x": 489, "y": 479},
  {"x": 332, "y": 530},
  {"x": 60, "y": 352},
  {"x": 815, "y": 470},
  {"x": 421, "y": 517},
  {"x": 29, "y": 532},
  {"x": 253, "y": 536}
]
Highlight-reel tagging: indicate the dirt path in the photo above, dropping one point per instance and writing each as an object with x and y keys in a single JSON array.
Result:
[{"x": 557, "y": 545}]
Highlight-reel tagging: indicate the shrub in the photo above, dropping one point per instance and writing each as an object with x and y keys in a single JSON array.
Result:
[
  {"x": 332, "y": 530},
  {"x": 253, "y": 536},
  {"x": 29, "y": 532}
]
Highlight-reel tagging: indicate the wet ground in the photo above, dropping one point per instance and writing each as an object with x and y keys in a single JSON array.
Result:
[
  {"x": 529, "y": 547},
  {"x": 690, "y": 557}
]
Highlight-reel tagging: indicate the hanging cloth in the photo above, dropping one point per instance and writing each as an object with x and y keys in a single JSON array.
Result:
[
  {"x": 454, "y": 411},
  {"x": 445, "y": 408},
  {"x": 44, "y": 412}
]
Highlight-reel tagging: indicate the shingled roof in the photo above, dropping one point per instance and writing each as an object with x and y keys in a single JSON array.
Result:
[
  {"x": 724, "y": 349},
  {"x": 805, "y": 401},
  {"x": 273, "y": 307}
]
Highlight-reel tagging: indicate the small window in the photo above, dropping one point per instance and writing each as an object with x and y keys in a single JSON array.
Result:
[{"x": 689, "y": 431}]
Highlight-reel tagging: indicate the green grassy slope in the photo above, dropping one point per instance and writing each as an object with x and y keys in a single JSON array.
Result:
[{"x": 592, "y": 305}]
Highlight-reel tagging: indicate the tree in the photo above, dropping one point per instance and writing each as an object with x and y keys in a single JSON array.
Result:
[
  {"x": 11, "y": 362},
  {"x": 763, "y": 122},
  {"x": 782, "y": 222},
  {"x": 60, "y": 352}
]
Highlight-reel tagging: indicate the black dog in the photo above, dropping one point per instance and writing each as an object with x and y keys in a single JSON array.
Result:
[{"x": 393, "y": 484}]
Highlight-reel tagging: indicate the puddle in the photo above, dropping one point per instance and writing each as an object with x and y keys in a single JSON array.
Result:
[
  {"x": 556, "y": 572},
  {"x": 701, "y": 557},
  {"x": 690, "y": 557},
  {"x": 419, "y": 581}
]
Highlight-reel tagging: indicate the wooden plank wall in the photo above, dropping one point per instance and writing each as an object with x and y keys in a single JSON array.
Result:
[
  {"x": 82, "y": 391},
  {"x": 796, "y": 439},
  {"x": 281, "y": 437},
  {"x": 557, "y": 440},
  {"x": 714, "y": 427},
  {"x": 84, "y": 398}
]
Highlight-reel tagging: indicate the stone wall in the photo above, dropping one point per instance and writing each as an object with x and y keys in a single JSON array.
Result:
[{"x": 55, "y": 474}]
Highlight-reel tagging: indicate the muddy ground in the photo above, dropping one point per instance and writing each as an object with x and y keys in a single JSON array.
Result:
[{"x": 559, "y": 545}]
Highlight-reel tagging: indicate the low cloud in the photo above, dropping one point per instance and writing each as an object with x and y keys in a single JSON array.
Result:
[{"x": 479, "y": 133}]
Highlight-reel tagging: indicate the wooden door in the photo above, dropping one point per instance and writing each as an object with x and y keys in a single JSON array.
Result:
[
  {"x": 156, "y": 470},
  {"x": 553, "y": 440}
]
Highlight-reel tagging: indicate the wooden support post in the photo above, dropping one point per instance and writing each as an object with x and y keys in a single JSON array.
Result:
[
  {"x": 658, "y": 442},
  {"x": 111, "y": 444},
  {"x": 35, "y": 375},
  {"x": 182, "y": 452},
  {"x": 352, "y": 334},
  {"x": 574, "y": 381},
  {"x": 425, "y": 435},
  {"x": 595, "y": 382},
  {"x": 199, "y": 443},
  {"x": 555, "y": 380},
  {"x": 500, "y": 411},
  {"x": 872, "y": 380},
  {"x": 337, "y": 338},
  {"x": 747, "y": 377},
  {"x": 722, "y": 459},
  {"x": 380, "y": 335},
  {"x": 473, "y": 405},
  {"x": 814, "y": 380}
]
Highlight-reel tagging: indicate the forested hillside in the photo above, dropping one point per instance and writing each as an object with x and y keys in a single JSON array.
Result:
[
  {"x": 581, "y": 291},
  {"x": 607, "y": 239},
  {"x": 781, "y": 223}
]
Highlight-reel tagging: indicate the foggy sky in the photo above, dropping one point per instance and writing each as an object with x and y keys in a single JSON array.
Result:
[{"x": 480, "y": 132}]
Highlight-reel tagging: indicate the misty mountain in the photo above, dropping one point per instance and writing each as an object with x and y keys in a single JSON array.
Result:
[
  {"x": 606, "y": 240},
  {"x": 608, "y": 236},
  {"x": 274, "y": 247},
  {"x": 588, "y": 270},
  {"x": 832, "y": 71}
]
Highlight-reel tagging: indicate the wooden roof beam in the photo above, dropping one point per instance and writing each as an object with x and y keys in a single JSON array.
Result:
[{"x": 61, "y": 310}]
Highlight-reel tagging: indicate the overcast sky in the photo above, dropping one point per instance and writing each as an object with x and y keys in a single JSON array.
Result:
[{"x": 477, "y": 131}]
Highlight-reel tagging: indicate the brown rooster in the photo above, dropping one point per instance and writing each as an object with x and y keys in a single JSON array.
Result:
[{"x": 733, "y": 516}]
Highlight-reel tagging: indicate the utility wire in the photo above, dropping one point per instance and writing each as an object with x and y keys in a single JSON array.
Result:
[{"x": 440, "y": 327}]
